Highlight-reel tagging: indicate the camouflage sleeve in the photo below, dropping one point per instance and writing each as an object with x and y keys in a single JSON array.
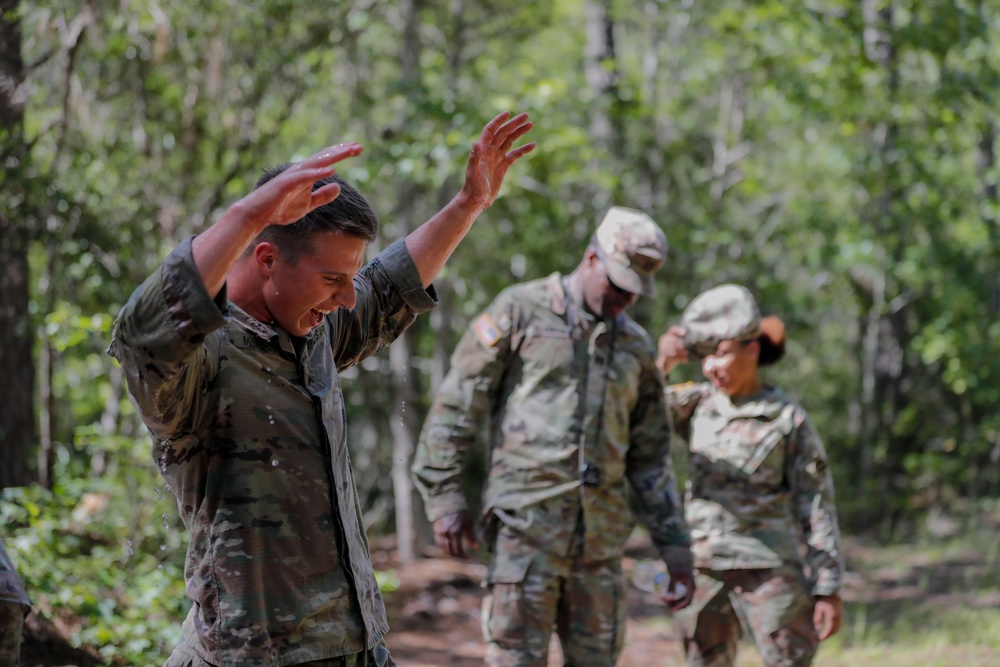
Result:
[
  {"x": 813, "y": 505},
  {"x": 390, "y": 295},
  {"x": 463, "y": 402},
  {"x": 159, "y": 339},
  {"x": 682, "y": 399},
  {"x": 11, "y": 588},
  {"x": 648, "y": 466}
]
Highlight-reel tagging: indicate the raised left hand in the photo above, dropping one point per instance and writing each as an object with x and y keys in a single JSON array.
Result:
[{"x": 492, "y": 156}]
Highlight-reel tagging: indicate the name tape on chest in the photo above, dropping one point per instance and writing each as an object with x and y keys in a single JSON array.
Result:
[{"x": 486, "y": 330}]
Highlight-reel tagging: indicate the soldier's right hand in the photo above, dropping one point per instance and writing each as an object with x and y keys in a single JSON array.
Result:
[
  {"x": 670, "y": 350},
  {"x": 289, "y": 196},
  {"x": 453, "y": 532}
]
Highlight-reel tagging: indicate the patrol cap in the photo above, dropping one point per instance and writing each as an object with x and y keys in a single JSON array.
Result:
[
  {"x": 633, "y": 248},
  {"x": 726, "y": 312}
]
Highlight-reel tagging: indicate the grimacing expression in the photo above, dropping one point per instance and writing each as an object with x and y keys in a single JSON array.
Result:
[
  {"x": 300, "y": 292},
  {"x": 732, "y": 366},
  {"x": 602, "y": 296}
]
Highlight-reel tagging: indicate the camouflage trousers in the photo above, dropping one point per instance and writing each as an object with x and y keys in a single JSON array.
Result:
[
  {"x": 11, "y": 626},
  {"x": 532, "y": 592},
  {"x": 773, "y": 605},
  {"x": 377, "y": 657}
]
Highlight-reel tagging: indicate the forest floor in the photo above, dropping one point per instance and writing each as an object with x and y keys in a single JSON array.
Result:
[
  {"x": 905, "y": 607},
  {"x": 937, "y": 604},
  {"x": 434, "y": 615}
]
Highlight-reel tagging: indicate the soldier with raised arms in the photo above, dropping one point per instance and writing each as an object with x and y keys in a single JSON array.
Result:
[{"x": 232, "y": 350}]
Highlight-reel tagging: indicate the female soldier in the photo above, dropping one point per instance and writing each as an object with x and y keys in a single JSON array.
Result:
[{"x": 759, "y": 492}]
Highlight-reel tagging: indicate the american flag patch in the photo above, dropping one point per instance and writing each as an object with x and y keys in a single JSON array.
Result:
[{"x": 486, "y": 330}]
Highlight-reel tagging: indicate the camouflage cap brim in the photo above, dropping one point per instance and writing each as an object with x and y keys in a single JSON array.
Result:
[{"x": 726, "y": 312}]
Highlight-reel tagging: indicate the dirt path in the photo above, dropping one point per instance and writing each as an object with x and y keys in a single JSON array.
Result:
[{"x": 434, "y": 618}]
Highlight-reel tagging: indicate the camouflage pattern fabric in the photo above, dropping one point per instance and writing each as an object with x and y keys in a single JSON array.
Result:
[
  {"x": 14, "y": 606},
  {"x": 528, "y": 588},
  {"x": 561, "y": 391},
  {"x": 774, "y": 605},
  {"x": 759, "y": 484},
  {"x": 11, "y": 588},
  {"x": 633, "y": 247},
  {"x": 575, "y": 412},
  {"x": 11, "y": 627},
  {"x": 376, "y": 657},
  {"x": 726, "y": 312},
  {"x": 248, "y": 428}
]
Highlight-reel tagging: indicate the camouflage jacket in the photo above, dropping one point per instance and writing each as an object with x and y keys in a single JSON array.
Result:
[
  {"x": 11, "y": 589},
  {"x": 559, "y": 389},
  {"x": 248, "y": 428},
  {"x": 759, "y": 491}
]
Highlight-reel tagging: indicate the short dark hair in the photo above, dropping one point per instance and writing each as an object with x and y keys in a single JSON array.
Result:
[{"x": 349, "y": 214}]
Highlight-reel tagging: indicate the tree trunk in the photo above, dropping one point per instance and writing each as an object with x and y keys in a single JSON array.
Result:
[
  {"x": 404, "y": 425},
  {"x": 601, "y": 68},
  {"x": 17, "y": 414},
  {"x": 877, "y": 386}
]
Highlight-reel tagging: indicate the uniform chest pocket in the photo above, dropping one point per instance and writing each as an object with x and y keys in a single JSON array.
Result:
[
  {"x": 766, "y": 463},
  {"x": 547, "y": 346}
]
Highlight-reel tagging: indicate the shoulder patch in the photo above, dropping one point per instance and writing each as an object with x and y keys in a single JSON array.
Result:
[{"x": 486, "y": 330}]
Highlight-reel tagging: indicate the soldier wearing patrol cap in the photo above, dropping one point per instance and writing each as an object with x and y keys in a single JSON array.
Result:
[
  {"x": 759, "y": 492},
  {"x": 576, "y": 413}
]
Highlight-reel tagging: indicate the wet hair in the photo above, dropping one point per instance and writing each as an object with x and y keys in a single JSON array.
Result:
[
  {"x": 349, "y": 214},
  {"x": 772, "y": 341}
]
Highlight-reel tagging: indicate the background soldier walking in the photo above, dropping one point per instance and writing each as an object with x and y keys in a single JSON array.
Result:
[{"x": 576, "y": 414}]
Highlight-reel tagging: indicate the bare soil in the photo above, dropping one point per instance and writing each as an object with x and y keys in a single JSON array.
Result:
[{"x": 434, "y": 615}]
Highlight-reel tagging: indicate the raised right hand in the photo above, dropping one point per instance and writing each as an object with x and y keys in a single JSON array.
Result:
[
  {"x": 670, "y": 350},
  {"x": 289, "y": 196},
  {"x": 453, "y": 531}
]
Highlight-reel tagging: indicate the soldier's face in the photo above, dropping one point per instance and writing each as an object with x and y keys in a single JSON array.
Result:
[
  {"x": 732, "y": 368},
  {"x": 299, "y": 294},
  {"x": 602, "y": 296}
]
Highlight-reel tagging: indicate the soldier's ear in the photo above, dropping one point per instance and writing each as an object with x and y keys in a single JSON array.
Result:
[{"x": 264, "y": 255}]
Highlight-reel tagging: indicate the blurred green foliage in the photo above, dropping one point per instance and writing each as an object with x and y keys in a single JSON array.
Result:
[{"x": 841, "y": 164}]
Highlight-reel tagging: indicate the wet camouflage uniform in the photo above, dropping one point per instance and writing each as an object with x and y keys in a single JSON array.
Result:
[
  {"x": 575, "y": 410},
  {"x": 248, "y": 428},
  {"x": 14, "y": 606},
  {"x": 759, "y": 503}
]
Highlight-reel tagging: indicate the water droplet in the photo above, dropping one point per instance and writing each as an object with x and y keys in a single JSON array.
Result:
[{"x": 166, "y": 523}]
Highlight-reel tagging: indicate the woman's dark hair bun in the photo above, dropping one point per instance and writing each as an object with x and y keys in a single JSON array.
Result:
[{"x": 772, "y": 340}]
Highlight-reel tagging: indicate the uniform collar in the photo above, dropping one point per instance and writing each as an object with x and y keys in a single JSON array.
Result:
[
  {"x": 569, "y": 301},
  {"x": 766, "y": 404},
  {"x": 264, "y": 330}
]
